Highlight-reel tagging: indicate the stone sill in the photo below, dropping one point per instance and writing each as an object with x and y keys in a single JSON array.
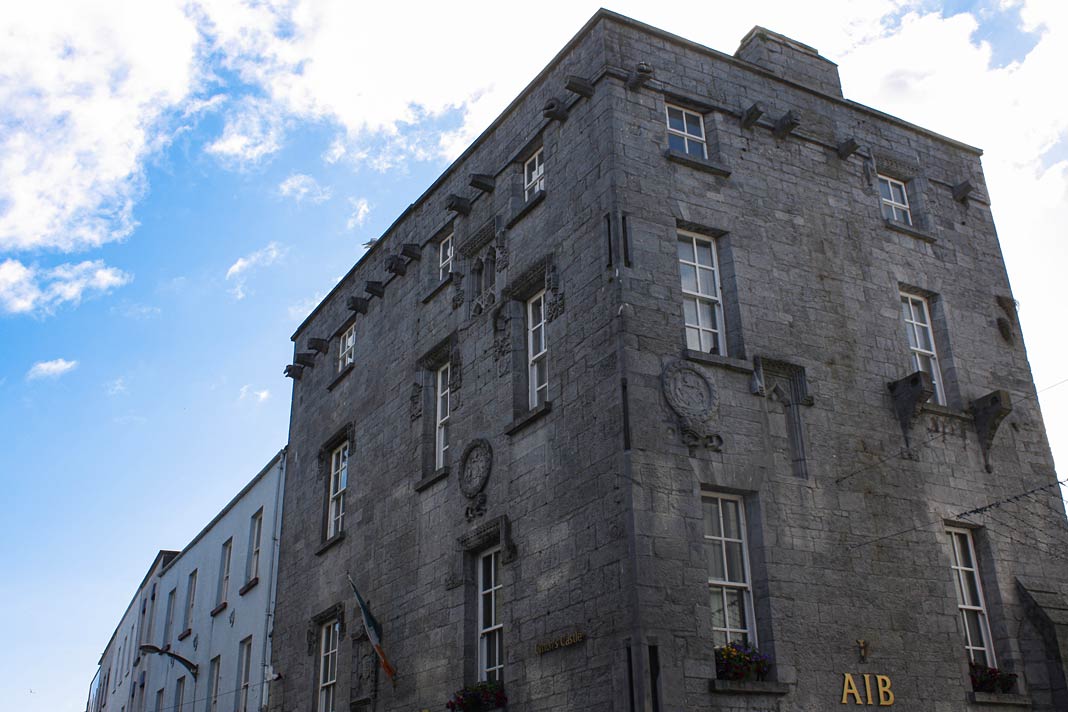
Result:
[
  {"x": 731, "y": 364},
  {"x": 909, "y": 230},
  {"x": 438, "y": 474},
  {"x": 340, "y": 376},
  {"x": 535, "y": 199},
  {"x": 529, "y": 417},
  {"x": 701, "y": 164},
  {"x": 748, "y": 687},
  {"x": 218, "y": 609},
  {"x": 996, "y": 699},
  {"x": 440, "y": 286},
  {"x": 249, "y": 586},
  {"x": 329, "y": 543}
]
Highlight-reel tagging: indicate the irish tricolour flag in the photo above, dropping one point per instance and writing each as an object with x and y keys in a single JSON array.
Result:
[{"x": 374, "y": 633}]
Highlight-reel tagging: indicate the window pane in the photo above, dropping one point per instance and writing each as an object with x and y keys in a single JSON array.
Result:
[
  {"x": 709, "y": 342},
  {"x": 719, "y": 638},
  {"x": 541, "y": 373},
  {"x": 731, "y": 524},
  {"x": 675, "y": 120},
  {"x": 676, "y": 143},
  {"x": 899, "y": 193},
  {"x": 708, "y": 319},
  {"x": 715, "y": 560},
  {"x": 712, "y": 525},
  {"x": 704, "y": 253},
  {"x": 693, "y": 339},
  {"x": 719, "y": 615},
  {"x": 884, "y": 189},
  {"x": 686, "y": 250},
  {"x": 902, "y": 215},
  {"x": 971, "y": 588},
  {"x": 693, "y": 125},
  {"x": 964, "y": 552},
  {"x": 924, "y": 335},
  {"x": 975, "y": 633},
  {"x": 689, "y": 311},
  {"x": 695, "y": 148},
  {"x": 888, "y": 212},
  {"x": 689, "y": 278},
  {"x": 736, "y": 608},
  {"x": 735, "y": 566},
  {"x": 708, "y": 284}
]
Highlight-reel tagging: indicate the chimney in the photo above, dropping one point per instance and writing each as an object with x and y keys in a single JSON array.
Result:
[{"x": 790, "y": 59}]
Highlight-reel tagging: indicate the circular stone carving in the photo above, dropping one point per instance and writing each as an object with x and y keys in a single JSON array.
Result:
[
  {"x": 687, "y": 391},
  {"x": 475, "y": 466}
]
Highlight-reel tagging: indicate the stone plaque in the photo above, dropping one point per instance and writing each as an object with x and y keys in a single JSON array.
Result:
[{"x": 475, "y": 466}]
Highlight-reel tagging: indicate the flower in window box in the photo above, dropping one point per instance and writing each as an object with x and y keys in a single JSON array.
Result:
[
  {"x": 477, "y": 698},
  {"x": 988, "y": 679},
  {"x": 740, "y": 661}
]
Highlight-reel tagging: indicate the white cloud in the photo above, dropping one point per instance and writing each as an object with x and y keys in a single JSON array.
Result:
[
  {"x": 253, "y": 132},
  {"x": 139, "y": 312},
  {"x": 116, "y": 387},
  {"x": 303, "y": 187},
  {"x": 361, "y": 209},
  {"x": 50, "y": 369},
  {"x": 246, "y": 393},
  {"x": 263, "y": 257},
  {"x": 29, "y": 289}
]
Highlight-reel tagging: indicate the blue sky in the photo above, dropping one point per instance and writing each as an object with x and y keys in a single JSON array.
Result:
[{"x": 181, "y": 182}]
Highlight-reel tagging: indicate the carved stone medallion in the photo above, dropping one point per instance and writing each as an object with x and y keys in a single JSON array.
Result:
[
  {"x": 475, "y": 466},
  {"x": 693, "y": 398}
]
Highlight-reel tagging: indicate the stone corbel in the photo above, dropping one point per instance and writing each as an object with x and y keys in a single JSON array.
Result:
[
  {"x": 847, "y": 148},
  {"x": 411, "y": 250},
  {"x": 962, "y": 190},
  {"x": 787, "y": 123},
  {"x": 306, "y": 359},
  {"x": 751, "y": 115},
  {"x": 579, "y": 85},
  {"x": 375, "y": 289},
  {"x": 483, "y": 182},
  {"x": 294, "y": 371},
  {"x": 641, "y": 73},
  {"x": 320, "y": 345},
  {"x": 555, "y": 109},
  {"x": 988, "y": 412},
  {"x": 395, "y": 264},
  {"x": 358, "y": 304},
  {"x": 909, "y": 394},
  {"x": 457, "y": 204}
]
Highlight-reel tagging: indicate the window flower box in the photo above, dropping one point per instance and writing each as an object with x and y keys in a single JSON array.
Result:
[
  {"x": 478, "y": 697},
  {"x": 988, "y": 679},
  {"x": 740, "y": 661}
]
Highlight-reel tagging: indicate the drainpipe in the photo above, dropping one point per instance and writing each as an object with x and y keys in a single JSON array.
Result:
[{"x": 272, "y": 590}]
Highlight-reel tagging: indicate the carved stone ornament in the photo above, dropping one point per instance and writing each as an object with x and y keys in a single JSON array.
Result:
[
  {"x": 475, "y": 467},
  {"x": 693, "y": 398},
  {"x": 457, "y": 289},
  {"x": 500, "y": 244},
  {"x": 416, "y": 401}
]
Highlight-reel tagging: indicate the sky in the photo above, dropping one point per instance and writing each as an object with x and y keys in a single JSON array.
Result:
[{"x": 181, "y": 181}]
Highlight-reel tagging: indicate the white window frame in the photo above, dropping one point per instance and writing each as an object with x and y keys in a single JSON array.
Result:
[
  {"x": 534, "y": 174},
  {"x": 339, "y": 482},
  {"x": 687, "y": 137},
  {"x": 445, "y": 257},
  {"x": 537, "y": 353},
  {"x": 346, "y": 348},
  {"x": 213, "y": 684},
  {"x": 168, "y": 623},
  {"x": 697, "y": 332},
  {"x": 255, "y": 536},
  {"x": 245, "y": 671},
  {"x": 442, "y": 408},
  {"x": 190, "y": 599},
  {"x": 179, "y": 694},
  {"x": 723, "y": 585},
  {"x": 918, "y": 305},
  {"x": 962, "y": 572},
  {"x": 329, "y": 633},
  {"x": 490, "y": 632},
  {"x": 893, "y": 209},
  {"x": 226, "y": 555}
]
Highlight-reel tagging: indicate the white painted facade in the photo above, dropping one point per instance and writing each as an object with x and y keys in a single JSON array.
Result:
[{"x": 230, "y": 617}]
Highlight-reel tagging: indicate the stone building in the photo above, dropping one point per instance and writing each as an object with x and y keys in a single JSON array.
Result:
[
  {"x": 686, "y": 348},
  {"x": 196, "y": 636}
]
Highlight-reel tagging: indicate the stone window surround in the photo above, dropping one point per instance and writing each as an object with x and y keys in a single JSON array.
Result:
[
  {"x": 939, "y": 321},
  {"x": 445, "y": 351},
  {"x": 960, "y": 571},
  {"x": 345, "y": 433},
  {"x": 685, "y": 133},
  {"x": 534, "y": 176},
  {"x": 725, "y": 583},
  {"x": 732, "y": 344}
]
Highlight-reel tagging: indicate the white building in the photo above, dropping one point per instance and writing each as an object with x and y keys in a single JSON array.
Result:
[{"x": 196, "y": 635}]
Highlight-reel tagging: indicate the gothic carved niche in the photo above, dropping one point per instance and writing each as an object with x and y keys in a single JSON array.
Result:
[
  {"x": 785, "y": 383},
  {"x": 693, "y": 398},
  {"x": 476, "y": 463}
]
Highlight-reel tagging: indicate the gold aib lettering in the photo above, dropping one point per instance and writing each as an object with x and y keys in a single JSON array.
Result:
[
  {"x": 849, "y": 687},
  {"x": 886, "y": 697}
]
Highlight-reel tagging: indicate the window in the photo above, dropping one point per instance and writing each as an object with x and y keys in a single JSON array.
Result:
[
  {"x": 224, "y": 571},
  {"x": 441, "y": 418},
  {"x": 159, "y": 700},
  {"x": 534, "y": 174},
  {"x": 970, "y": 599},
  {"x": 328, "y": 638},
  {"x": 895, "y": 200},
  {"x": 686, "y": 132},
  {"x": 339, "y": 480},
  {"x": 917, "y": 316},
  {"x": 702, "y": 305},
  {"x": 255, "y": 533},
  {"x": 728, "y": 570},
  {"x": 537, "y": 368},
  {"x": 213, "y": 685},
  {"x": 190, "y": 599},
  {"x": 168, "y": 621},
  {"x": 244, "y": 662},
  {"x": 346, "y": 347},
  {"x": 445, "y": 257},
  {"x": 490, "y": 629},
  {"x": 179, "y": 694}
]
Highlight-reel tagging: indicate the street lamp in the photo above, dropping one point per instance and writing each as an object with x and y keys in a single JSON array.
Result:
[{"x": 187, "y": 664}]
